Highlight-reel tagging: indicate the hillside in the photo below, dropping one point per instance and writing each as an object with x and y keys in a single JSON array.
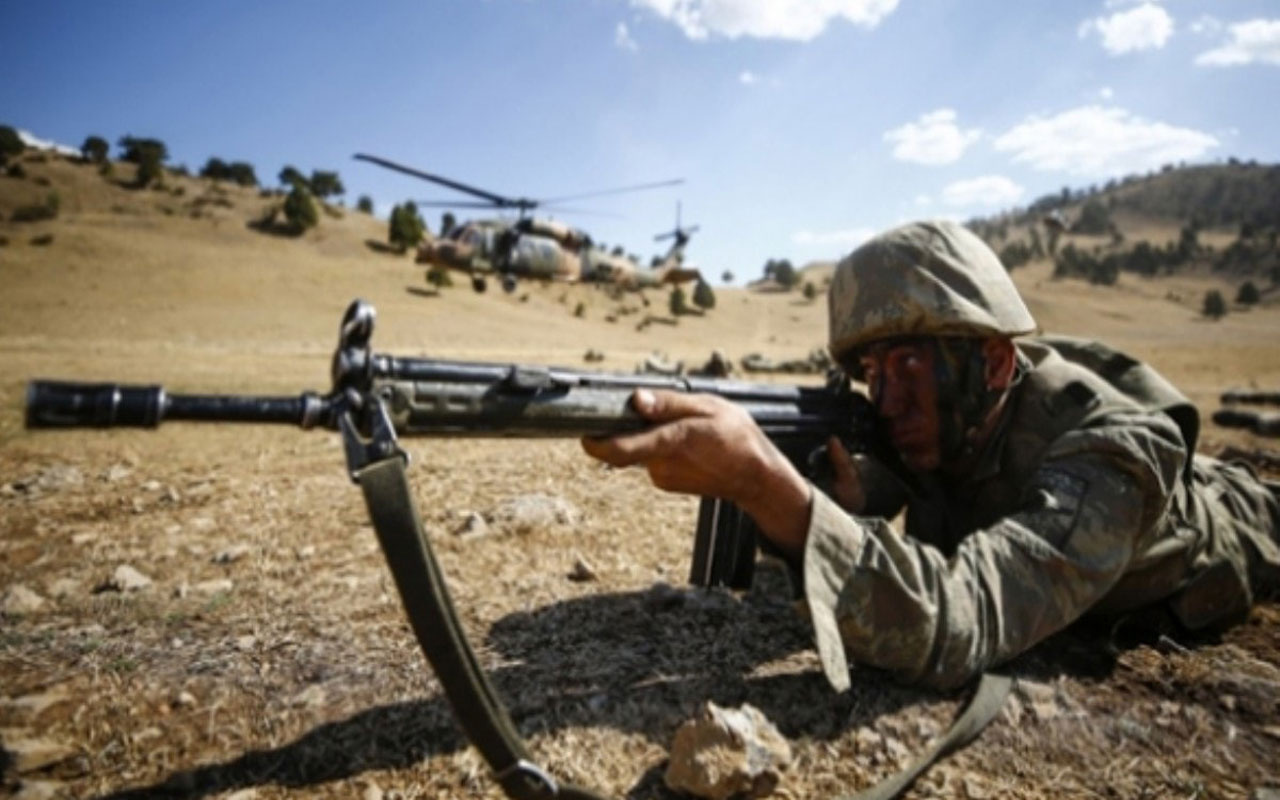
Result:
[{"x": 263, "y": 652}]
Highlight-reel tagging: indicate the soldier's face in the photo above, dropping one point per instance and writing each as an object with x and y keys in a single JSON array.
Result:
[{"x": 904, "y": 387}]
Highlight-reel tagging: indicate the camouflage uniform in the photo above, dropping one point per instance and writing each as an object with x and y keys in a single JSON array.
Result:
[{"x": 1087, "y": 498}]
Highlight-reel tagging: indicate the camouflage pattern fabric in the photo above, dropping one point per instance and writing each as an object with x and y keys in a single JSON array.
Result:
[{"x": 1087, "y": 499}]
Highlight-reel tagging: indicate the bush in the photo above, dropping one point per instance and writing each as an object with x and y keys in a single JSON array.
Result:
[
  {"x": 1248, "y": 294},
  {"x": 290, "y": 177},
  {"x": 326, "y": 184},
  {"x": 727, "y": 277},
  {"x": 440, "y": 278},
  {"x": 95, "y": 149},
  {"x": 365, "y": 204},
  {"x": 781, "y": 271},
  {"x": 1214, "y": 305},
  {"x": 703, "y": 296},
  {"x": 38, "y": 213},
  {"x": 137, "y": 150},
  {"x": 405, "y": 228},
  {"x": 10, "y": 143},
  {"x": 810, "y": 291},
  {"x": 300, "y": 210},
  {"x": 580, "y": 310},
  {"x": 677, "y": 303}
]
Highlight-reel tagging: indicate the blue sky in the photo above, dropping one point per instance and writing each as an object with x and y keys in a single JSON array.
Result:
[{"x": 798, "y": 127}]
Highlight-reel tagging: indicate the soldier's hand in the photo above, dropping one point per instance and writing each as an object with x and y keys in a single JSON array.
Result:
[
  {"x": 705, "y": 445},
  {"x": 846, "y": 486}
]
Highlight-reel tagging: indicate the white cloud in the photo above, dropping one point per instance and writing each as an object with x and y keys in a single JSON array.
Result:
[
  {"x": 1205, "y": 24},
  {"x": 923, "y": 200},
  {"x": 44, "y": 144},
  {"x": 933, "y": 139},
  {"x": 1106, "y": 93},
  {"x": 1146, "y": 27},
  {"x": 797, "y": 20},
  {"x": 988, "y": 190},
  {"x": 851, "y": 237},
  {"x": 1100, "y": 141},
  {"x": 1256, "y": 40},
  {"x": 622, "y": 38},
  {"x": 748, "y": 78}
]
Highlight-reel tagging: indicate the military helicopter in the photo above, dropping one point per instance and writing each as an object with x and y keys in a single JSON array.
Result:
[
  {"x": 526, "y": 247},
  {"x": 669, "y": 269}
]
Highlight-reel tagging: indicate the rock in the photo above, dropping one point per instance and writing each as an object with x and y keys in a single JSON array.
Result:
[
  {"x": 724, "y": 752},
  {"x": 57, "y": 477},
  {"x": 212, "y": 587},
  {"x": 473, "y": 527},
  {"x": 117, "y": 472},
  {"x": 84, "y": 538},
  {"x": 203, "y": 525},
  {"x": 29, "y": 707},
  {"x": 126, "y": 579},
  {"x": 662, "y": 596},
  {"x": 183, "y": 699},
  {"x": 246, "y": 643},
  {"x": 531, "y": 512},
  {"x": 1040, "y": 698},
  {"x": 305, "y": 552},
  {"x": 1266, "y": 793},
  {"x": 372, "y": 791},
  {"x": 28, "y": 755},
  {"x": 232, "y": 554},
  {"x": 243, "y": 794},
  {"x": 18, "y": 600},
  {"x": 311, "y": 697},
  {"x": 582, "y": 571},
  {"x": 62, "y": 588},
  {"x": 40, "y": 790}
]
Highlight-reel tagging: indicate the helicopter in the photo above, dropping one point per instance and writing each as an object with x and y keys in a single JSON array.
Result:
[
  {"x": 627, "y": 274},
  {"x": 527, "y": 247}
]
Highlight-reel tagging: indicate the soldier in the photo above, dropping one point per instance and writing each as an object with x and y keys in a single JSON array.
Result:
[{"x": 1053, "y": 477}]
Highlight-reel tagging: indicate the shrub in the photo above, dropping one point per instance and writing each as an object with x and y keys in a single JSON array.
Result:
[
  {"x": 11, "y": 143},
  {"x": 242, "y": 173},
  {"x": 580, "y": 310},
  {"x": 1214, "y": 306},
  {"x": 16, "y": 171},
  {"x": 365, "y": 204},
  {"x": 405, "y": 228},
  {"x": 676, "y": 302},
  {"x": 37, "y": 213},
  {"x": 727, "y": 277},
  {"x": 95, "y": 149},
  {"x": 43, "y": 240},
  {"x": 810, "y": 291},
  {"x": 137, "y": 150},
  {"x": 703, "y": 296},
  {"x": 1248, "y": 294},
  {"x": 300, "y": 210},
  {"x": 290, "y": 177},
  {"x": 440, "y": 278},
  {"x": 781, "y": 271},
  {"x": 326, "y": 184}
]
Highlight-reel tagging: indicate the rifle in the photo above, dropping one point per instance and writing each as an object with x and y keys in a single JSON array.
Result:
[{"x": 375, "y": 397}]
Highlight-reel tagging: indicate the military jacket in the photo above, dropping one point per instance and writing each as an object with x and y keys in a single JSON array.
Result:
[{"x": 1088, "y": 497}]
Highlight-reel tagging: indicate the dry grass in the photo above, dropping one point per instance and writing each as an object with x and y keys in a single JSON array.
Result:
[{"x": 300, "y": 677}]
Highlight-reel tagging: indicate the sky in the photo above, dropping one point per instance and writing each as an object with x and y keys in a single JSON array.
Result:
[{"x": 799, "y": 128}]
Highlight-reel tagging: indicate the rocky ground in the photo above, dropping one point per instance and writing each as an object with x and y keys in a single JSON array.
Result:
[{"x": 203, "y": 611}]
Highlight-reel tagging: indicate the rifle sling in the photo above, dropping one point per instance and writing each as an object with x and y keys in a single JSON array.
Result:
[
  {"x": 435, "y": 624},
  {"x": 475, "y": 704}
]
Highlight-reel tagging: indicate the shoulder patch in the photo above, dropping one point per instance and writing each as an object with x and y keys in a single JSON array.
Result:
[{"x": 1052, "y": 504}]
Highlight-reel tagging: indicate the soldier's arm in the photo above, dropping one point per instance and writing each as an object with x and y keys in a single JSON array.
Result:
[{"x": 893, "y": 602}]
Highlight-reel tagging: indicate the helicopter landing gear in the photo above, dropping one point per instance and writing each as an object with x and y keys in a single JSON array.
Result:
[
  {"x": 508, "y": 283},
  {"x": 479, "y": 284}
]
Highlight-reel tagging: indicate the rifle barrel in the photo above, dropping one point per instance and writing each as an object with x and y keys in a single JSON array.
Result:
[{"x": 68, "y": 404}]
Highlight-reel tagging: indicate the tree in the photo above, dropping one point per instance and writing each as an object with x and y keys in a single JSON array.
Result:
[
  {"x": 365, "y": 204},
  {"x": 676, "y": 302},
  {"x": 242, "y": 173},
  {"x": 289, "y": 177},
  {"x": 405, "y": 228},
  {"x": 1248, "y": 294},
  {"x": 326, "y": 184},
  {"x": 214, "y": 168},
  {"x": 95, "y": 149},
  {"x": 139, "y": 150},
  {"x": 11, "y": 143},
  {"x": 727, "y": 277},
  {"x": 300, "y": 210},
  {"x": 1214, "y": 305},
  {"x": 781, "y": 271},
  {"x": 1094, "y": 218},
  {"x": 703, "y": 297}
]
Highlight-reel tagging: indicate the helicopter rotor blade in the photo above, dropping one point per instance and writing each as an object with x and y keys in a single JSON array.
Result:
[
  {"x": 452, "y": 204},
  {"x": 619, "y": 190},
  {"x": 494, "y": 199}
]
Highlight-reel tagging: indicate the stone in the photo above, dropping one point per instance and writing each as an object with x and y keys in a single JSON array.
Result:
[
  {"x": 40, "y": 790},
  {"x": 126, "y": 579},
  {"x": 724, "y": 752},
  {"x": 531, "y": 512},
  {"x": 18, "y": 600},
  {"x": 28, "y": 755},
  {"x": 232, "y": 554},
  {"x": 211, "y": 587},
  {"x": 62, "y": 588},
  {"x": 473, "y": 527},
  {"x": 582, "y": 571}
]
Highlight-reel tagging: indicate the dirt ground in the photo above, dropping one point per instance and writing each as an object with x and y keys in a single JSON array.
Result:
[{"x": 267, "y": 655}]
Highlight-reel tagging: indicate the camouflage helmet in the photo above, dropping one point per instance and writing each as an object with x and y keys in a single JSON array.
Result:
[{"x": 933, "y": 278}]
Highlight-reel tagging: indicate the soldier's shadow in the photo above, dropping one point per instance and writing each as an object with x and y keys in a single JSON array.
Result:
[{"x": 639, "y": 662}]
